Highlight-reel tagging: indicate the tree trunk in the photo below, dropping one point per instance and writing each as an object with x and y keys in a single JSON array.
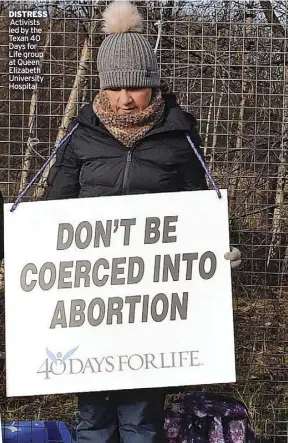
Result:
[
  {"x": 215, "y": 126},
  {"x": 32, "y": 112},
  {"x": 209, "y": 115},
  {"x": 236, "y": 163},
  {"x": 281, "y": 184},
  {"x": 70, "y": 111},
  {"x": 281, "y": 177}
]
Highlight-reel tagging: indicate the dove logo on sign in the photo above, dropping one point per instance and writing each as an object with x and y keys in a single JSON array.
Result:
[{"x": 55, "y": 364}]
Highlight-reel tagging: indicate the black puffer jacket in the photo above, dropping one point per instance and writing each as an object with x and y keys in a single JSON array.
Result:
[{"x": 93, "y": 163}]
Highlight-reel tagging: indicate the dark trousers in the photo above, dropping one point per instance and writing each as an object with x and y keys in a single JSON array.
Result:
[{"x": 132, "y": 416}]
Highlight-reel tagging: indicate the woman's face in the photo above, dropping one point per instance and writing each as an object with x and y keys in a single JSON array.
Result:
[{"x": 129, "y": 101}]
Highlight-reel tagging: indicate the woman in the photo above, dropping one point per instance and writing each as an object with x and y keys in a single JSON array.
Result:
[{"x": 131, "y": 140}]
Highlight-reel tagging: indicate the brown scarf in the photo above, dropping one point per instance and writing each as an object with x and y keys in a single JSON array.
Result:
[{"x": 129, "y": 129}]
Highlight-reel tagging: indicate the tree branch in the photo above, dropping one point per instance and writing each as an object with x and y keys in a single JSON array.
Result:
[{"x": 271, "y": 17}]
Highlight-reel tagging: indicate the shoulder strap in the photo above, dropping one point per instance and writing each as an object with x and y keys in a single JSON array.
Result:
[
  {"x": 208, "y": 173},
  {"x": 41, "y": 170}
]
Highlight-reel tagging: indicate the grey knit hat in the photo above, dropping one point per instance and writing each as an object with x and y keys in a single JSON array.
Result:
[{"x": 125, "y": 58}]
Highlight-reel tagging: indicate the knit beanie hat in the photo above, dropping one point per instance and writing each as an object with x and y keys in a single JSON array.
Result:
[{"x": 125, "y": 58}]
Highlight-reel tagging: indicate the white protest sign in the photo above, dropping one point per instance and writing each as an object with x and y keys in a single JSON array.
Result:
[{"x": 117, "y": 293}]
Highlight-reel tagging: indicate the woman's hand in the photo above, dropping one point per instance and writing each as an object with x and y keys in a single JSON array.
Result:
[{"x": 234, "y": 257}]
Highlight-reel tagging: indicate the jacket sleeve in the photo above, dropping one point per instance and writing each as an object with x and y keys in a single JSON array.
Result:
[
  {"x": 192, "y": 173},
  {"x": 63, "y": 178}
]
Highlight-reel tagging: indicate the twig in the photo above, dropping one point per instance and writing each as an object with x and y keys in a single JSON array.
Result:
[{"x": 257, "y": 211}]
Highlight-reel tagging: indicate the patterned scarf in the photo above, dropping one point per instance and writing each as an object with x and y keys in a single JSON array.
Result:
[{"x": 129, "y": 129}]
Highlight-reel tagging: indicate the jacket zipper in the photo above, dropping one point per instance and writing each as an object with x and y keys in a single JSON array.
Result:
[
  {"x": 125, "y": 187},
  {"x": 126, "y": 172}
]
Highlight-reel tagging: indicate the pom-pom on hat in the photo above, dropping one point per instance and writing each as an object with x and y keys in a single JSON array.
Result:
[{"x": 125, "y": 58}]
